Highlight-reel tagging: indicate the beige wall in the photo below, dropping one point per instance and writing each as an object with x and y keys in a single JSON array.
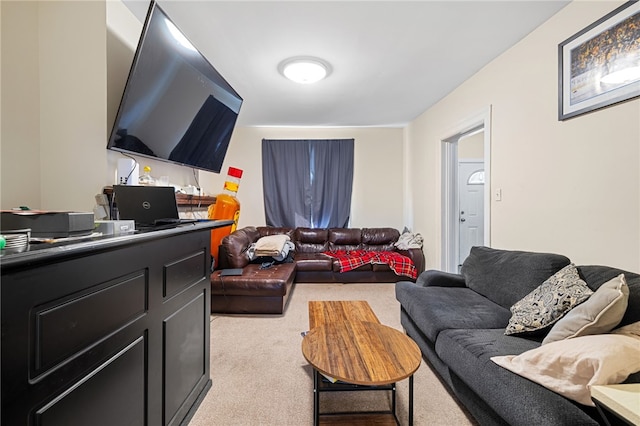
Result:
[
  {"x": 20, "y": 125},
  {"x": 53, "y": 75},
  {"x": 377, "y": 182},
  {"x": 72, "y": 68},
  {"x": 471, "y": 147},
  {"x": 571, "y": 187}
]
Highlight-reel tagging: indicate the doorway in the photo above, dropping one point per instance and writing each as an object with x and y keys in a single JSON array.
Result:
[{"x": 466, "y": 171}]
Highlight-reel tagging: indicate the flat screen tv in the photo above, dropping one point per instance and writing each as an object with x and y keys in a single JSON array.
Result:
[{"x": 175, "y": 107}]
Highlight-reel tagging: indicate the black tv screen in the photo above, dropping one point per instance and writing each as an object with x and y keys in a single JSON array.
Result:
[{"x": 175, "y": 107}]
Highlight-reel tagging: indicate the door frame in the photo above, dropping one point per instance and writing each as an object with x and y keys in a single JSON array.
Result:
[{"x": 449, "y": 166}]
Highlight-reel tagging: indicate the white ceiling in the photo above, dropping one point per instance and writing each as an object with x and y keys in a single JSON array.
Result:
[{"x": 391, "y": 60}]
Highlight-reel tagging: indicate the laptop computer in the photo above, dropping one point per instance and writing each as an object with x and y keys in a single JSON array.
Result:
[{"x": 151, "y": 207}]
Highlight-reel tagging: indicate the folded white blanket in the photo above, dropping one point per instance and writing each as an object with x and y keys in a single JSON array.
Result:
[
  {"x": 271, "y": 245},
  {"x": 275, "y": 246}
]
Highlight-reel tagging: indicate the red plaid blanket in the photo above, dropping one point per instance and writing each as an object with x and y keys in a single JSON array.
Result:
[{"x": 352, "y": 259}]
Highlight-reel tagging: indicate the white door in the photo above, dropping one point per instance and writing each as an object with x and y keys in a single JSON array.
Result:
[{"x": 471, "y": 207}]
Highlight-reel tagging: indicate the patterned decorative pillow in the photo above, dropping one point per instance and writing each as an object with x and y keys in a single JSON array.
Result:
[{"x": 549, "y": 302}]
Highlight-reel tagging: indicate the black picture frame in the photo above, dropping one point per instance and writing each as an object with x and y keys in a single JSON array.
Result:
[{"x": 590, "y": 60}]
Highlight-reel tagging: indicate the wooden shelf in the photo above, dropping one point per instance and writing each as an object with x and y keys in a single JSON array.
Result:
[{"x": 195, "y": 200}]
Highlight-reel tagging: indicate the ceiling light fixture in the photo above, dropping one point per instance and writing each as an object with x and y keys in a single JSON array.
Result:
[{"x": 304, "y": 70}]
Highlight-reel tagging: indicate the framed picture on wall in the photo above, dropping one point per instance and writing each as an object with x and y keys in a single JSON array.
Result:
[{"x": 600, "y": 65}]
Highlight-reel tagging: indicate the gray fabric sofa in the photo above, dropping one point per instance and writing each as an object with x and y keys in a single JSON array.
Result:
[{"x": 459, "y": 320}]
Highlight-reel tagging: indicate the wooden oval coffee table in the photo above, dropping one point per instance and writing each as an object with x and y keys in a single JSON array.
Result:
[{"x": 361, "y": 353}]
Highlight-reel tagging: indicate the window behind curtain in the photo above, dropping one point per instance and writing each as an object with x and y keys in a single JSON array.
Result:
[{"x": 307, "y": 183}]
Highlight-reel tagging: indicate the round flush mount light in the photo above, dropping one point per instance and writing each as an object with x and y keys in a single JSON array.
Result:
[{"x": 304, "y": 69}]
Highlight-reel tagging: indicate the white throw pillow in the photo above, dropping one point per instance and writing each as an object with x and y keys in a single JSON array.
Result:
[
  {"x": 570, "y": 367},
  {"x": 598, "y": 314}
]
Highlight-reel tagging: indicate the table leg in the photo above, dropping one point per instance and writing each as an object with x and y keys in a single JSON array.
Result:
[
  {"x": 411, "y": 400},
  {"x": 316, "y": 398},
  {"x": 393, "y": 401}
]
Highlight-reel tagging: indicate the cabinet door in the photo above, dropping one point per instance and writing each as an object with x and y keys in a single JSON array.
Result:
[
  {"x": 186, "y": 358},
  {"x": 112, "y": 394}
]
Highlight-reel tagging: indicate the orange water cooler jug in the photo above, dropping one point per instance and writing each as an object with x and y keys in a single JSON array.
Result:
[{"x": 226, "y": 207}]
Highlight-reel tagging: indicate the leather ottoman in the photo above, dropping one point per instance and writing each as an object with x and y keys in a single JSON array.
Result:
[{"x": 256, "y": 291}]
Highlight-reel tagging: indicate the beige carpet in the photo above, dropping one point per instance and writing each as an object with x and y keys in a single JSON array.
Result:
[{"x": 261, "y": 378}]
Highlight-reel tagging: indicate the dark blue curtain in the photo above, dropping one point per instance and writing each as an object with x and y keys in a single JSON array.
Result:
[{"x": 307, "y": 183}]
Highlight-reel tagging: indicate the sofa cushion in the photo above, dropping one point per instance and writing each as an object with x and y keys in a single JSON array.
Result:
[
  {"x": 255, "y": 281},
  {"x": 546, "y": 304},
  {"x": 431, "y": 308},
  {"x": 380, "y": 267},
  {"x": 313, "y": 262},
  {"x": 517, "y": 400},
  {"x": 379, "y": 239},
  {"x": 506, "y": 276},
  {"x": 311, "y": 240},
  {"x": 265, "y": 231},
  {"x": 311, "y": 235},
  {"x": 571, "y": 367},
  {"x": 344, "y": 239},
  {"x": 598, "y": 314},
  {"x": 345, "y": 236},
  {"x": 337, "y": 267}
]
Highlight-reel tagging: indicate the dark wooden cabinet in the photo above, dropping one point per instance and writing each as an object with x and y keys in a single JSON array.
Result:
[{"x": 113, "y": 331}]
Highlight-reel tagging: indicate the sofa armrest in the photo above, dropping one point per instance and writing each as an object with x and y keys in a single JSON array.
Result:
[
  {"x": 223, "y": 258},
  {"x": 435, "y": 278},
  {"x": 417, "y": 256},
  {"x": 232, "y": 252}
]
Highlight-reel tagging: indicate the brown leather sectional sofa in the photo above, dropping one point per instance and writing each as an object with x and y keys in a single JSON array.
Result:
[
  {"x": 312, "y": 265},
  {"x": 256, "y": 288}
]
